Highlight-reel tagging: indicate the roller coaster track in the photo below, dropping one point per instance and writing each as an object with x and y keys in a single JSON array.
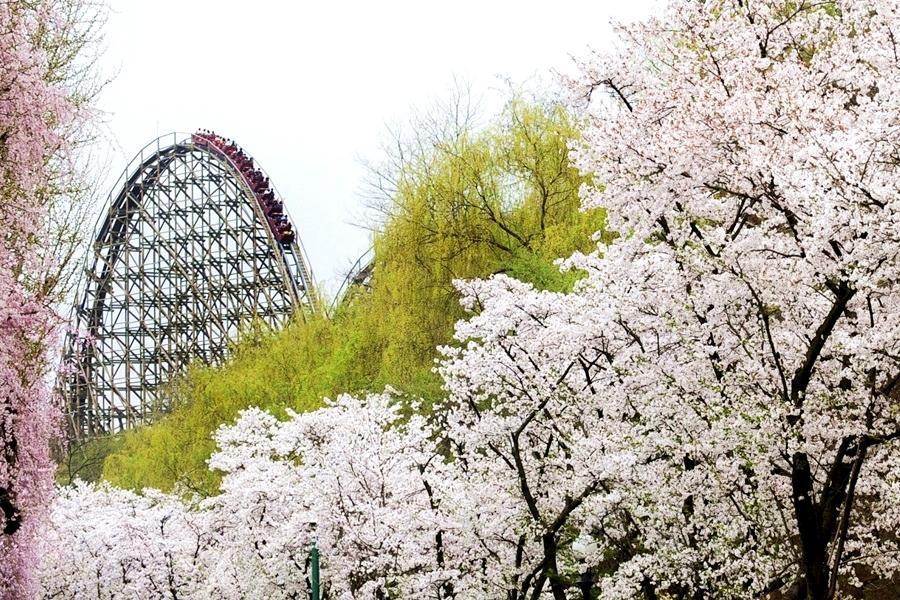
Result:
[{"x": 194, "y": 247}]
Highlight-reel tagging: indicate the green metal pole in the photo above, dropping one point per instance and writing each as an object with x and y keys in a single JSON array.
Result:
[{"x": 314, "y": 578}]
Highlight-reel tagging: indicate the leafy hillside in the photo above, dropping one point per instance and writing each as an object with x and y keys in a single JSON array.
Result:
[{"x": 459, "y": 203}]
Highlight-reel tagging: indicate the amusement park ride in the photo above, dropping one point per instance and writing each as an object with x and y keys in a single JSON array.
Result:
[{"x": 194, "y": 245}]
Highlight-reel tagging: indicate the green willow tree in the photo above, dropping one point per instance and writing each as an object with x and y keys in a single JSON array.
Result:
[{"x": 457, "y": 202}]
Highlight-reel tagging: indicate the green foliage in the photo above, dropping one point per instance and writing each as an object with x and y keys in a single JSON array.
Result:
[
  {"x": 462, "y": 203},
  {"x": 84, "y": 460}
]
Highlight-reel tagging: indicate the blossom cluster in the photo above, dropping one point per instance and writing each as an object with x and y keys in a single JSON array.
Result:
[{"x": 349, "y": 477}]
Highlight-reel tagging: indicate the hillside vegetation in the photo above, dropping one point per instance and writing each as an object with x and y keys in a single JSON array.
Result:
[{"x": 458, "y": 202}]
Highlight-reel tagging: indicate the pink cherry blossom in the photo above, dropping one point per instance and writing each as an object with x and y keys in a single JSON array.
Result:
[{"x": 31, "y": 112}]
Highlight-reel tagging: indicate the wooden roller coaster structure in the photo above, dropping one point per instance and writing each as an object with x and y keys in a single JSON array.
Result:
[{"x": 195, "y": 244}]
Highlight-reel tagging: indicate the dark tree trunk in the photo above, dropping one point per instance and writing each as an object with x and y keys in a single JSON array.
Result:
[
  {"x": 11, "y": 516},
  {"x": 586, "y": 583},
  {"x": 813, "y": 547},
  {"x": 823, "y": 524},
  {"x": 557, "y": 586}
]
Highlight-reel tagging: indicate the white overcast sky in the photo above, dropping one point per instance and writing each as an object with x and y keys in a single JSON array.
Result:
[{"x": 309, "y": 88}]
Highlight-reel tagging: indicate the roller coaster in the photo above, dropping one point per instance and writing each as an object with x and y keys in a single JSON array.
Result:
[{"x": 194, "y": 246}]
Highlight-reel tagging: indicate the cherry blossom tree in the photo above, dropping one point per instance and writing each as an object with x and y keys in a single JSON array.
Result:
[
  {"x": 32, "y": 111},
  {"x": 352, "y": 476},
  {"x": 355, "y": 477},
  {"x": 108, "y": 543},
  {"x": 713, "y": 412},
  {"x": 540, "y": 455},
  {"x": 755, "y": 147}
]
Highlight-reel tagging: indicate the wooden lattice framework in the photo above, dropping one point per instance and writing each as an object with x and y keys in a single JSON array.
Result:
[{"x": 183, "y": 261}]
